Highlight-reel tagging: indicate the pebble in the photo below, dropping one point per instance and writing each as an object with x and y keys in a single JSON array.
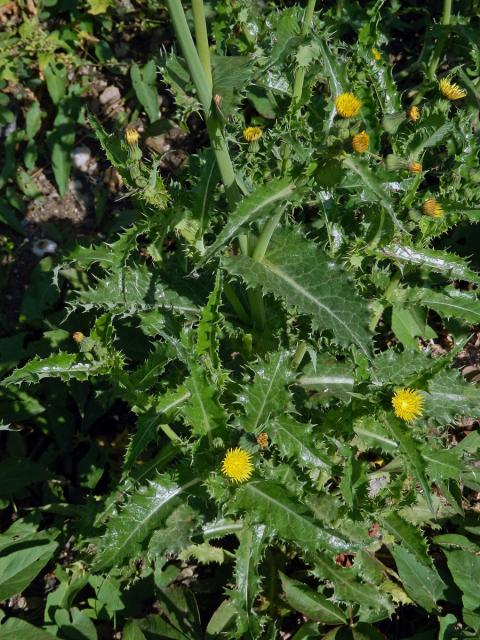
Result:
[
  {"x": 40, "y": 248},
  {"x": 109, "y": 95},
  {"x": 81, "y": 158}
]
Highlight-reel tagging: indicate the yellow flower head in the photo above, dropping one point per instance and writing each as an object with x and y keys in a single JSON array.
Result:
[
  {"x": 451, "y": 90},
  {"x": 433, "y": 208},
  {"x": 131, "y": 136},
  {"x": 236, "y": 465},
  {"x": 252, "y": 134},
  {"x": 414, "y": 167},
  {"x": 407, "y": 404},
  {"x": 78, "y": 336},
  {"x": 360, "y": 142},
  {"x": 347, "y": 105},
  {"x": 413, "y": 113},
  {"x": 376, "y": 54}
]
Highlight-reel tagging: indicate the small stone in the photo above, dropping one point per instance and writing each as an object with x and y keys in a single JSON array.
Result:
[
  {"x": 110, "y": 95},
  {"x": 81, "y": 158},
  {"x": 42, "y": 247}
]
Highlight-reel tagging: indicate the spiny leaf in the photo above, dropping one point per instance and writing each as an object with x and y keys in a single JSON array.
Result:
[
  {"x": 66, "y": 366},
  {"x": 268, "y": 394},
  {"x": 295, "y": 441},
  {"x": 247, "y": 579},
  {"x": 410, "y": 449},
  {"x": 429, "y": 135},
  {"x": 347, "y": 586},
  {"x": 421, "y": 582},
  {"x": 270, "y": 504},
  {"x": 452, "y": 303},
  {"x": 131, "y": 290},
  {"x": 393, "y": 367},
  {"x": 203, "y": 411},
  {"x": 259, "y": 203},
  {"x": 408, "y": 535},
  {"x": 296, "y": 270},
  {"x": 449, "y": 395},
  {"x": 144, "y": 512},
  {"x": 443, "y": 465},
  {"x": 443, "y": 262},
  {"x": 373, "y": 186},
  {"x": 328, "y": 378},
  {"x": 148, "y": 422},
  {"x": 311, "y": 603},
  {"x": 207, "y": 332}
]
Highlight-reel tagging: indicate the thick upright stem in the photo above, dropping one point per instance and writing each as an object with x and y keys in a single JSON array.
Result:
[
  {"x": 437, "y": 52},
  {"x": 300, "y": 72},
  {"x": 204, "y": 93},
  {"x": 201, "y": 38}
]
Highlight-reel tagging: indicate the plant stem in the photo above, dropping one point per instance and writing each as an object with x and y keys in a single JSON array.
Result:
[
  {"x": 437, "y": 52},
  {"x": 387, "y": 294},
  {"x": 300, "y": 72},
  {"x": 235, "y": 302},
  {"x": 265, "y": 237},
  {"x": 204, "y": 93},
  {"x": 201, "y": 38}
]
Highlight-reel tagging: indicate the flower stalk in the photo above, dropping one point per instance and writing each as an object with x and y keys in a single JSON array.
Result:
[
  {"x": 201, "y": 38},
  {"x": 438, "y": 50}
]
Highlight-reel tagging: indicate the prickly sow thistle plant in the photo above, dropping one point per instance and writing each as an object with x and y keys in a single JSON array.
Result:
[{"x": 285, "y": 299}]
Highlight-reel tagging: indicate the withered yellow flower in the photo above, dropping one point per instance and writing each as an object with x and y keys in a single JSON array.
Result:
[
  {"x": 252, "y": 134},
  {"x": 347, "y": 105},
  {"x": 407, "y": 404},
  {"x": 237, "y": 465},
  {"x": 78, "y": 336},
  {"x": 360, "y": 142},
  {"x": 413, "y": 113},
  {"x": 433, "y": 208},
  {"x": 414, "y": 167},
  {"x": 131, "y": 136},
  {"x": 262, "y": 440},
  {"x": 451, "y": 90}
]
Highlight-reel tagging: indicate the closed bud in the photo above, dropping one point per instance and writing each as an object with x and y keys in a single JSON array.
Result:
[{"x": 78, "y": 337}]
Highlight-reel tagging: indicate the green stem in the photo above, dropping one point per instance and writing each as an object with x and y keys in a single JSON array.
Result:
[
  {"x": 387, "y": 295},
  {"x": 265, "y": 237},
  {"x": 201, "y": 38},
  {"x": 300, "y": 72},
  {"x": 204, "y": 93},
  {"x": 437, "y": 52},
  {"x": 298, "y": 355},
  {"x": 235, "y": 302},
  {"x": 339, "y": 8},
  {"x": 170, "y": 433}
]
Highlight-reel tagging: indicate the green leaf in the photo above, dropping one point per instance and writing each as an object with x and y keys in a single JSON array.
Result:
[
  {"x": 451, "y": 304},
  {"x": 33, "y": 120},
  {"x": 409, "y": 448},
  {"x": 449, "y": 395},
  {"x": 204, "y": 192},
  {"x": 422, "y": 583},
  {"x": 15, "y": 628},
  {"x": 270, "y": 504},
  {"x": 66, "y": 366},
  {"x": 144, "y": 512},
  {"x": 131, "y": 631},
  {"x": 311, "y": 603},
  {"x": 268, "y": 394},
  {"x": 443, "y": 465},
  {"x": 328, "y": 378},
  {"x": 203, "y": 411},
  {"x": 465, "y": 569},
  {"x": 231, "y": 75},
  {"x": 347, "y": 586},
  {"x": 21, "y": 563},
  {"x": 429, "y": 135},
  {"x": 247, "y": 579},
  {"x": 409, "y": 536},
  {"x": 296, "y": 270},
  {"x": 295, "y": 441},
  {"x": 262, "y": 202},
  {"x": 56, "y": 79},
  {"x": 144, "y": 83},
  {"x": 148, "y": 422},
  {"x": 207, "y": 333},
  {"x": 397, "y": 368},
  {"x": 373, "y": 186},
  {"x": 9, "y": 217},
  {"x": 131, "y": 290},
  {"x": 408, "y": 324},
  {"x": 444, "y": 262}
]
